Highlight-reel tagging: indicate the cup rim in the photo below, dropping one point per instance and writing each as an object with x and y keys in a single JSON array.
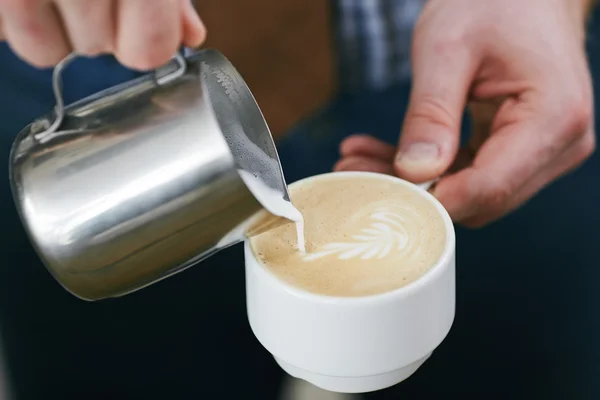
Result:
[{"x": 405, "y": 291}]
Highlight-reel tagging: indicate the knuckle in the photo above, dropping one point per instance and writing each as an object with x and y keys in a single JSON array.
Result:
[
  {"x": 448, "y": 46},
  {"x": 586, "y": 148},
  {"x": 146, "y": 57},
  {"x": 431, "y": 109},
  {"x": 32, "y": 28},
  {"x": 493, "y": 195},
  {"x": 579, "y": 114},
  {"x": 158, "y": 37},
  {"x": 18, "y": 5},
  {"x": 589, "y": 147},
  {"x": 154, "y": 59},
  {"x": 143, "y": 61},
  {"x": 164, "y": 42},
  {"x": 128, "y": 60}
]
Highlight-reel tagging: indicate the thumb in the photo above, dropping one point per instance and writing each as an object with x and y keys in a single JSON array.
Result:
[{"x": 431, "y": 132}]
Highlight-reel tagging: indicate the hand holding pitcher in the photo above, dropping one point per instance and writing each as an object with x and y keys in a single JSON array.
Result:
[{"x": 141, "y": 34}]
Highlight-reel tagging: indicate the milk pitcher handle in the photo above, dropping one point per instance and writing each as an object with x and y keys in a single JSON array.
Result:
[{"x": 51, "y": 131}]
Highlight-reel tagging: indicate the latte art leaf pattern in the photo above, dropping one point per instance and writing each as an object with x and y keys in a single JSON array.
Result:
[
  {"x": 364, "y": 235},
  {"x": 389, "y": 232}
]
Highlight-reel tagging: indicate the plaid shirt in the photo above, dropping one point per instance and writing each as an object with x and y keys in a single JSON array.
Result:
[{"x": 373, "y": 39}]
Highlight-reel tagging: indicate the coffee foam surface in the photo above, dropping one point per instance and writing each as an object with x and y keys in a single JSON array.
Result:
[{"x": 364, "y": 235}]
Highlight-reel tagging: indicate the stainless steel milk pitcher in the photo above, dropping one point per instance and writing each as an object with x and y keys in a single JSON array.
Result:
[{"x": 140, "y": 181}]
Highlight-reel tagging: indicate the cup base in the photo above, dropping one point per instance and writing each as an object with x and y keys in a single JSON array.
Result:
[{"x": 357, "y": 384}]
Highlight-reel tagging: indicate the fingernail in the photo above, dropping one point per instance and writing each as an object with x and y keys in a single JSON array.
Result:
[{"x": 418, "y": 153}]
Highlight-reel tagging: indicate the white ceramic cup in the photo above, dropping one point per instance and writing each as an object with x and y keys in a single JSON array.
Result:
[{"x": 354, "y": 344}]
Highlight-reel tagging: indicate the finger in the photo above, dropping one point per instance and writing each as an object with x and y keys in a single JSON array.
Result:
[
  {"x": 364, "y": 164},
  {"x": 368, "y": 146},
  {"x": 430, "y": 136},
  {"x": 194, "y": 31},
  {"x": 571, "y": 159},
  {"x": 512, "y": 156},
  {"x": 148, "y": 32},
  {"x": 89, "y": 25},
  {"x": 35, "y": 32}
]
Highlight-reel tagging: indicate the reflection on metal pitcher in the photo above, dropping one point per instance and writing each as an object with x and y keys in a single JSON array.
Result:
[{"x": 141, "y": 180}]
